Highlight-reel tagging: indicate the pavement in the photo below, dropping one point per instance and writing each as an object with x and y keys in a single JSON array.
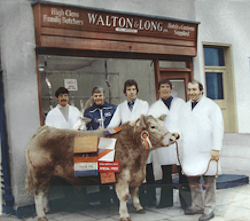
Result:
[{"x": 233, "y": 204}]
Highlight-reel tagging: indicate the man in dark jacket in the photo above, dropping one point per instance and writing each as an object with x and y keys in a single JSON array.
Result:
[{"x": 100, "y": 114}]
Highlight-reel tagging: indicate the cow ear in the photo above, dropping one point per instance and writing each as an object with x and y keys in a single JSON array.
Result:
[
  {"x": 143, "y": 123},
  {"x": 163, "y": 117}
]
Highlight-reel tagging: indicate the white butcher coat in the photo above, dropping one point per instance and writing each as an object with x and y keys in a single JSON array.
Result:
[
  {"x": 124, "y": 114},
  {"x": 202, "y": 131},
  {"x": 56, "y": 119},
  {"x": 168, "y": 155}
]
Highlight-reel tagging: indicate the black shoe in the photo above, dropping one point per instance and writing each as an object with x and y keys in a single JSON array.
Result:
[
  {"x": 191, "y": 211},
  {"x": 205, "y": 217},
  {"x": 164, "y": 205}
]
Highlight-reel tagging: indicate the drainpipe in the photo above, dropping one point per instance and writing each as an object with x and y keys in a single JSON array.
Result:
[{"x": 7, "y": 196}]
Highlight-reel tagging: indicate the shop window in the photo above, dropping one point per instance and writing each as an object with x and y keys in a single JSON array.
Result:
[
  {"x": 214, "y": 56},
  {"x": 81, "y": 74},
  {"x": 214, "y": 83}
]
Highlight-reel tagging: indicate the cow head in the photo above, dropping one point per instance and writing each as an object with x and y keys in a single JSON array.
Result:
[{"x": 158, "y": 135}]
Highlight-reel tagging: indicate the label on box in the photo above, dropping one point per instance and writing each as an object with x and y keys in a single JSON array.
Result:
[{"x": 105, "y": 167}]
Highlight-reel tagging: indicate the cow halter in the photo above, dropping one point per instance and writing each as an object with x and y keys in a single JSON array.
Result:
[{"x": 145, "y": 139}]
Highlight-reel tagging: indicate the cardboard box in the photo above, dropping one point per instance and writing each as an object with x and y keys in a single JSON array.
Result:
[
  {"x": 85, "y": 144},
  {"x": 107, "y": 177}
]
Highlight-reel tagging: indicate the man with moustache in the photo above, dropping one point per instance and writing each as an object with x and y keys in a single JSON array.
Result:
[
  {"x": 167, "y": 156},
  {"x": 202, "y": 133},
  {"x": 130, "y": 110},
  {"x": 63, "y": 116}
]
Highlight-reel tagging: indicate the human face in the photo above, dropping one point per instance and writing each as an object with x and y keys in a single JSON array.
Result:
[
  {"x": 165, "y": 91},
  {"x": 194, "y": 93},
  {"x": 131, "y": 92},
  {"x": 63, "y": 99},
  {"x": 98, "y": 98}
]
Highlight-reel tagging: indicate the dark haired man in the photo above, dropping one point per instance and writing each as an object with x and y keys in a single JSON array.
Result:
[
  {"x": 167, "y": 157},
  {"x": 130, "y": 110},
  {"x": 202, "y": 132},
  {"x": 63, "y": 116}
]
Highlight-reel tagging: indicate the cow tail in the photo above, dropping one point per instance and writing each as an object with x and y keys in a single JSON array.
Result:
[{"x": 29, "y": 180}]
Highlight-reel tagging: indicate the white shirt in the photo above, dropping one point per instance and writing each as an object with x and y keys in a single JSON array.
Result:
[
  {"x": 124, "y": 114},
  {"x": 55, "y": 117}
]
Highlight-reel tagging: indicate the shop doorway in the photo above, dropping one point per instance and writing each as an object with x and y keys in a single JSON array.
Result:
[{"x": 179, "y": 73}]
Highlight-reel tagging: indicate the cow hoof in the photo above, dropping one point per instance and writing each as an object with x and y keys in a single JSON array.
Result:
[
  {"x": 42, "y": 219},
  {"x": 125, "y": 219},
  {"x": 140, "y": 211}
]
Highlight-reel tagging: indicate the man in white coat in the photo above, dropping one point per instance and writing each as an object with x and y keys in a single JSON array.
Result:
[
  {"x": 167, "y": 156},
  {"x": 203, "y": 130},
  {"x": 63, "y": 116},
  {"x": 130, "y": 110}
]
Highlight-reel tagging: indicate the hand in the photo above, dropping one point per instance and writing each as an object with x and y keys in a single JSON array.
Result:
[
  {"x": 215, "y": 155},
  {"x": 174, "y": 137}
]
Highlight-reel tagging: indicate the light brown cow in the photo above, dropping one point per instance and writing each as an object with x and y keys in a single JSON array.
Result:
[{"x": 50, "y": 153}]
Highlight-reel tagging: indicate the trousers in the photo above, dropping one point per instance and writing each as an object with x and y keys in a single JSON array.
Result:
[{"x": 203, "y": 198}]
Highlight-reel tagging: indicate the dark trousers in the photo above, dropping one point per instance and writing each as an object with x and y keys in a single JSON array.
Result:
[
  {"x": 166, "y": 199},
  {"x": 147, "y": 192},
  {"x": 167, "y": 186}
]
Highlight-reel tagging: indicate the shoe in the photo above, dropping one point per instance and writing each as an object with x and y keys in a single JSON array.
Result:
[
  {"x": 206, "y": 217},
  {"x": 191, "y": 211},
  {"x": 164, "y": 205}
]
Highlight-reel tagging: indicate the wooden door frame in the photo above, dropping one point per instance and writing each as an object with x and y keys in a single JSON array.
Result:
[{"x": 173, "y": 73}]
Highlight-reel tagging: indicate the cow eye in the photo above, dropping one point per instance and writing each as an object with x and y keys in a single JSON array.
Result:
[{"x": 152, "y": 127}]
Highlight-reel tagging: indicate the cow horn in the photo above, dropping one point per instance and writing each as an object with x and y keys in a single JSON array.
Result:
[{"x": 163, "y": 117}]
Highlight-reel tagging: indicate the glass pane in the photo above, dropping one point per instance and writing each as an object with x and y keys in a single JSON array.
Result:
[
  {"x": 214, "y": 85},
  {"x": 81, "y": 74},
  {"x": 214, "y": 56},
  {"x": 179, "y": 88},
  {"x": 172, "y": 64}
]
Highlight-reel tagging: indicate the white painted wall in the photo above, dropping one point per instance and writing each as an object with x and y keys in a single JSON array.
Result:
[
  {"x": 20, "y": 86},
  {"x": 228, "y": 21}
]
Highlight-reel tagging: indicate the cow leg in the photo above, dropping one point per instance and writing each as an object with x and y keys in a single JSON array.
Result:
[
  {"x": 136, "y": 201},
  {"x": 39, "y": 203},
  {"x": 122, "y": 190},
  {"x": 46, "y": 202}
]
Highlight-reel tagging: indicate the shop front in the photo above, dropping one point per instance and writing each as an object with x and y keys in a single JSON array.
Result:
[{"x": 80, "y": 48}]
